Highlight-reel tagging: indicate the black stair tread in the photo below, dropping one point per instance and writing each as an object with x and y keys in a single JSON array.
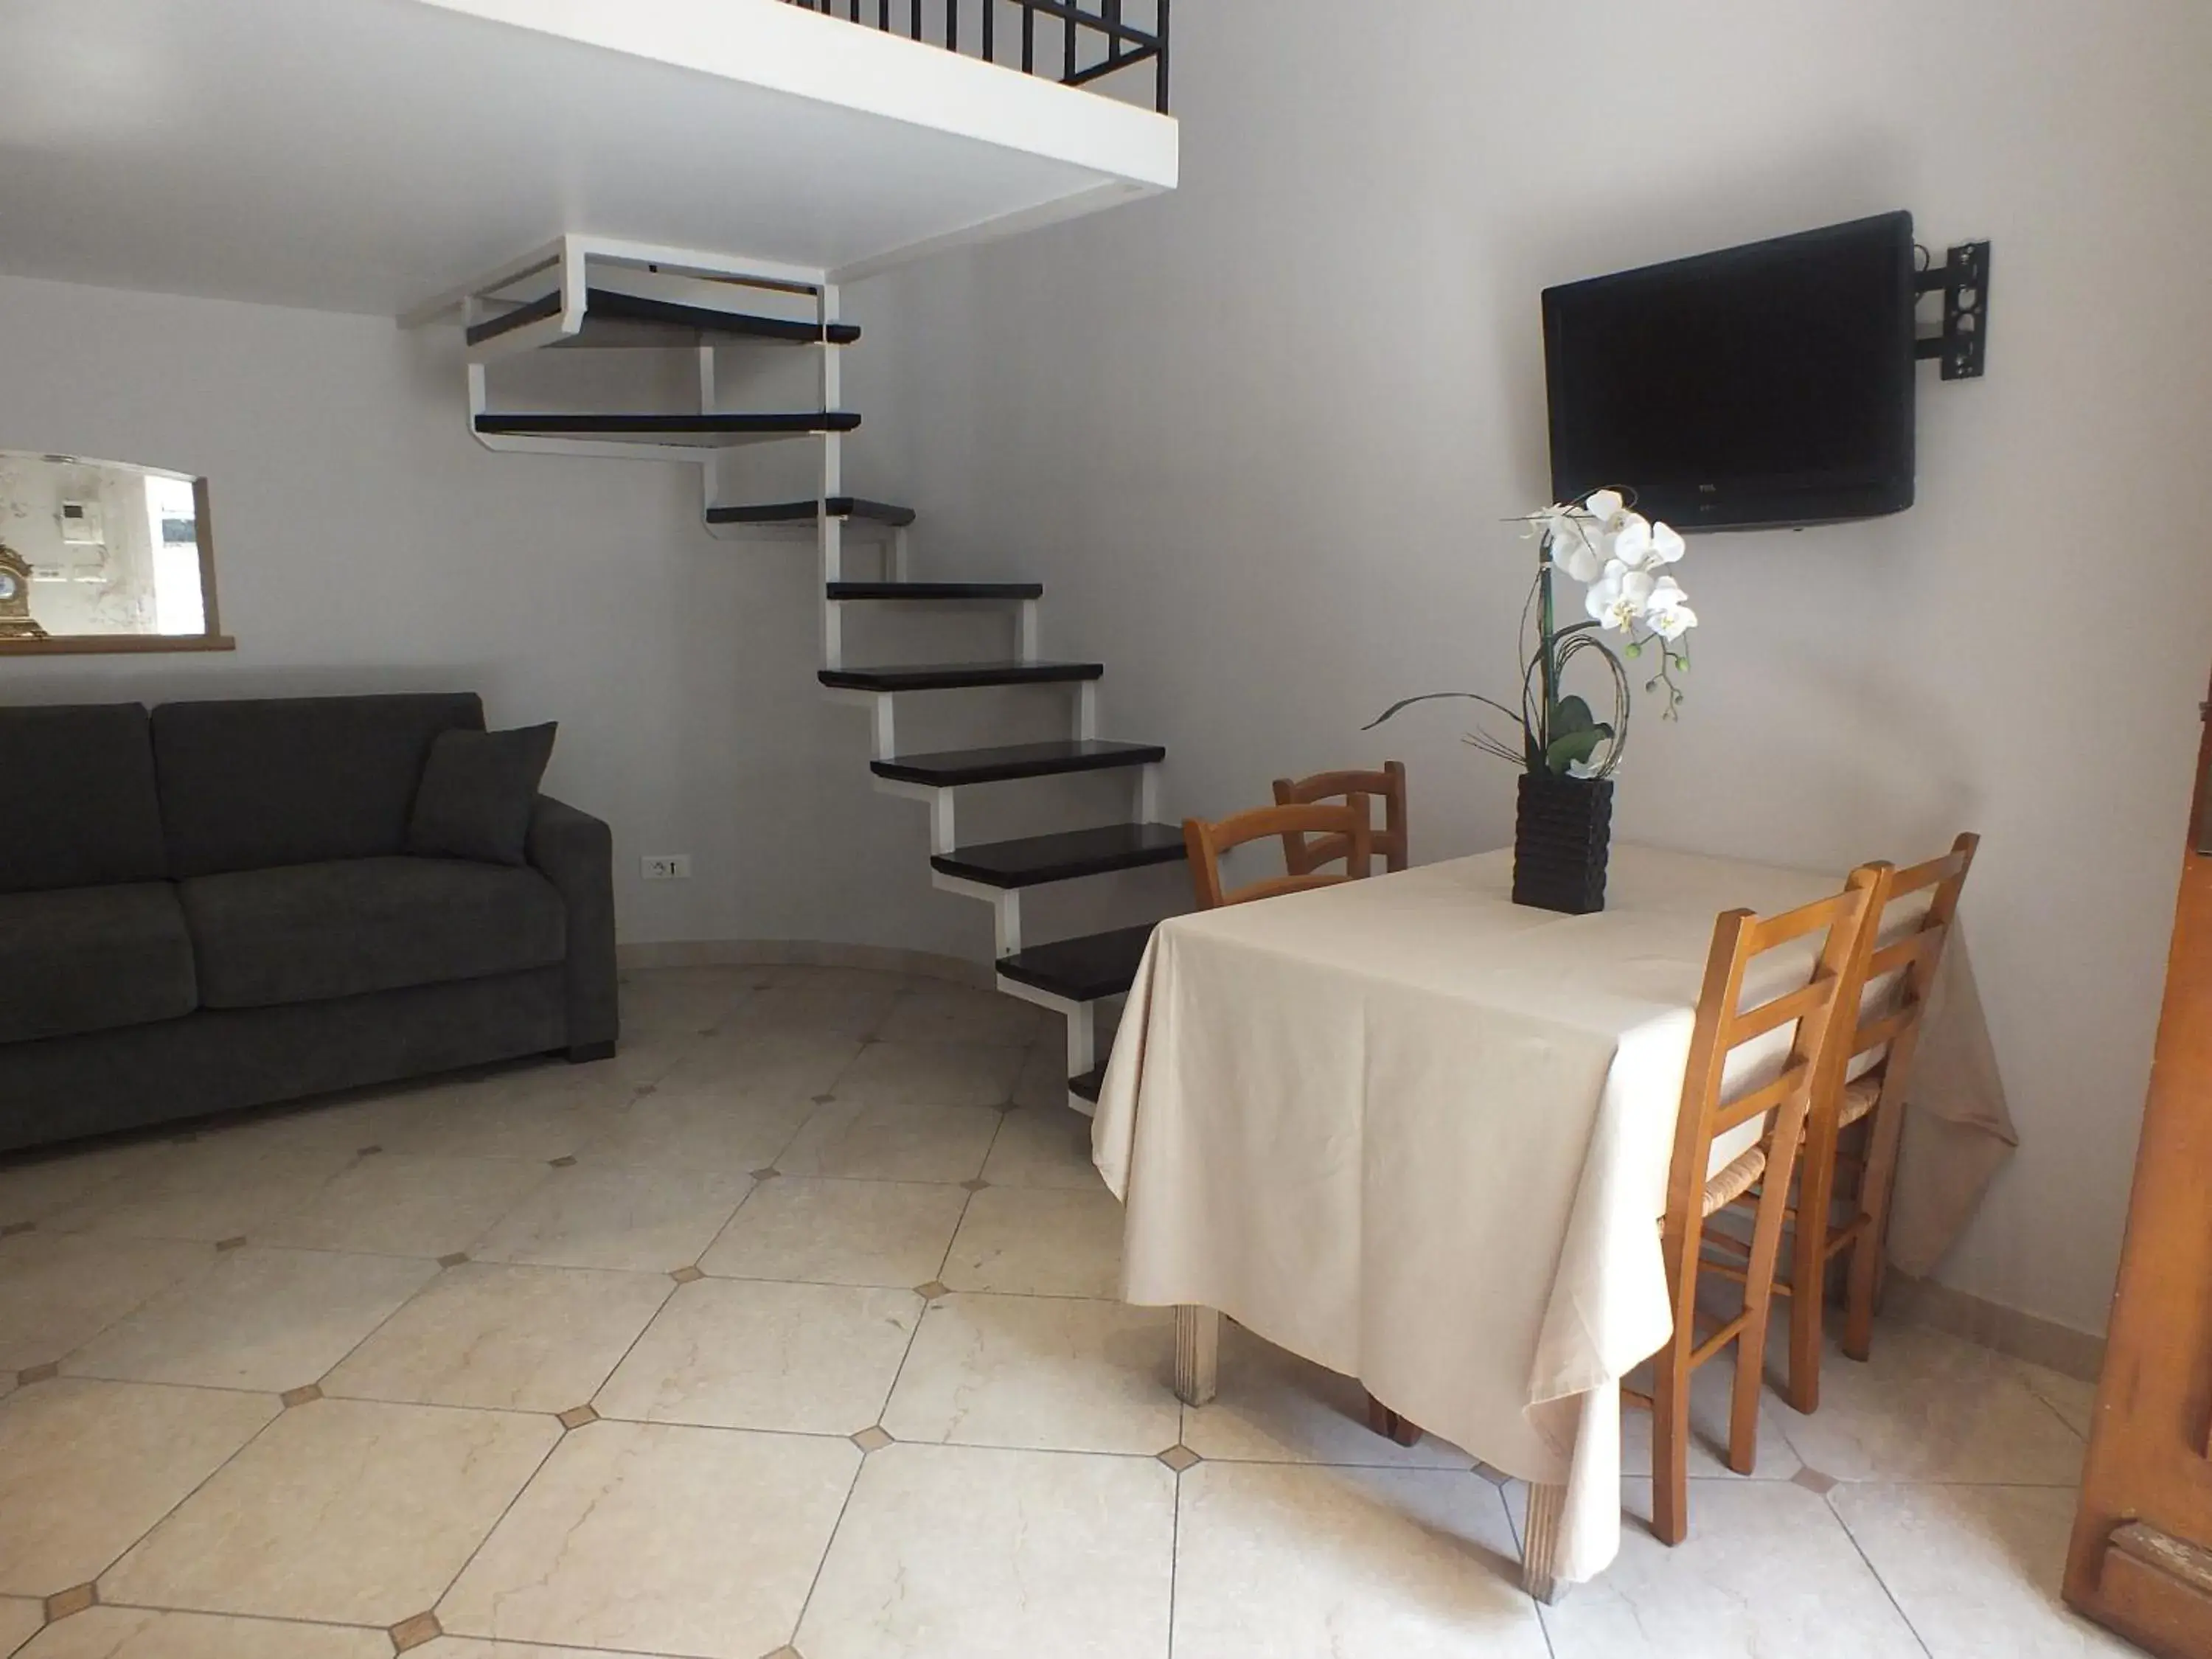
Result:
[
  {"x": 1035, "y": 860},
  {"x": 702, "y": 430},
  {"x": 840, "y": 507},
  {"x": 1090, "y": 1085},
  {"x": 955, "y": 767},
  {"x": 639, "y": 320},
  {"x": 1082, "y": 970},
  {"x": 936, "y": 589},
  {"x": 953, "y": 676}
]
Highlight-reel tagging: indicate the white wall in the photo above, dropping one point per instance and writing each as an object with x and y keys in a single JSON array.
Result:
[
  {"x": 364, "y": 542},
  {"x": 1259, "y": 437}
]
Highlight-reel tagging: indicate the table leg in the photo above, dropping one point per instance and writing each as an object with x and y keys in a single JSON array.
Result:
[
  {"x": 1198, "y": 1354},
  {"x": 1539, "y": 1544}
]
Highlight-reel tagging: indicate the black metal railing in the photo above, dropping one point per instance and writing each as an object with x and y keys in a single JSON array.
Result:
[{"x": 1074, "y": 42}]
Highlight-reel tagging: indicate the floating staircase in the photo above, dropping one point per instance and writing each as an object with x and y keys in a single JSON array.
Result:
[{"x": 590, "y": 292}]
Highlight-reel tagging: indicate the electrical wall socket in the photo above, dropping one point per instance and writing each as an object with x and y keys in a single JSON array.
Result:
[{"x": 667, "y": 866}]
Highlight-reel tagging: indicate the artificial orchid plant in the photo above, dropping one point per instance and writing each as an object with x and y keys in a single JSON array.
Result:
[{"x": 1625, "y": 561}]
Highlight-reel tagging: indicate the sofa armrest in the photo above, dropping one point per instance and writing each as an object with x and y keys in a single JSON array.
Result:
[{"x": 574, "y": 851}]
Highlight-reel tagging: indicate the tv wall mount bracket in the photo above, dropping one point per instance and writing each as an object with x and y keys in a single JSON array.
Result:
[{"x": 1963, "y": 280}]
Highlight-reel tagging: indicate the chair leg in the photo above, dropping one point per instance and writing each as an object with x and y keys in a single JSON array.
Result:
[
  {"x": 1808, "y": 1265},
  {"x": 1382, "y": 1420},
  {"x": 1670, "y": 1443},
  {"x": 1887, "y": 1130},
  {"x": 1759, "y": 1292},
  {"x": 1197, "y": 1354}
]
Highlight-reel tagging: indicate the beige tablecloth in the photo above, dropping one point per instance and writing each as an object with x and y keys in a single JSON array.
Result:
[{"x": 1419, "y": 1135}]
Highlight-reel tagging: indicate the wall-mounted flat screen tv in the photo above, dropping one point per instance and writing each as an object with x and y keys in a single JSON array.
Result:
[{"x": 1768, "y": 385}]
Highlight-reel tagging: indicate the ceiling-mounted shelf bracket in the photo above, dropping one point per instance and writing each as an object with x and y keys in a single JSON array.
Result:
[{"x": 1963, "y": 280}]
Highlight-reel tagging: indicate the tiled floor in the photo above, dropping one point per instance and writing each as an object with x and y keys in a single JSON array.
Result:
[{"x": 791, "y": 1331}]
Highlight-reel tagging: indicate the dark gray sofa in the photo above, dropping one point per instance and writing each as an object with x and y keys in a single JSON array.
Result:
[{"x": 212, "y": 907}]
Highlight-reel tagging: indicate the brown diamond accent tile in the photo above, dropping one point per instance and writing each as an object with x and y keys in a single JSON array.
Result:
[
  {"x": 368, "y": 1152},
  {"x": 562, "y": 1163},
  {"x": 454, "y": 1260},
  {"x": 977, "y": 1186},
  {"x": 14, "y": 1227},
  {"x": 768, "y": 1175},
  {"x": 45, "y": 1373},
  {"x": 576, "y": 1416},
  {"x": 1496, "y": 1477},
  {"x": 1180, "y": 1458},
  {"x": 787, "y": 1653},
  {"x": 185, "y": 1139},
  {"x": 824, "y": 1100},
  {"x": 871, "y": 1438},
  {"x": 305, "y": 1396},
  {"x": 76, "y": 1599},
  {"x": 236, "y": 1243},
  {"x": 643, "y": 1090},
  {"x": 422, "y": 1629},
  {"x": 687, "y": 1275},
  {"x": 1814, "y": 1481},
  {"x": 932, "y": 1291}
]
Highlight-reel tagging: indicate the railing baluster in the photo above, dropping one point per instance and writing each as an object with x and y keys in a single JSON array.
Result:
[
  {"x": 913, "y": 19},
  {"x": 990, "y": 31},
  {"x": 1068, "y": 37},
  {"x": 1126, "y": 45},
  {"x": 1160, "y": 47},
  {"x": 952, "y": 25},
  {"x": 1028, "y": 41}
]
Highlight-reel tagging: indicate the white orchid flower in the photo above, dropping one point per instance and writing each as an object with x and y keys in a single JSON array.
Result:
[
  {"x": 1667, "y": 543},
  {"x": 1632, "y": 540},
  {"x": 1604, "y": 505},
  {"x": 1581, "y": 769},
  {"x": 1668, "y": 610},
  {"x": 1620, "y": 596}
]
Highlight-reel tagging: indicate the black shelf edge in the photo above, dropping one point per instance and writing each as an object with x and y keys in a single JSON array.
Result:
[
  {"x": 675, "y": 426},
  {"x": 953, "y": 768},
  {"x": 936, "y": 589},
  {"x": 840, "y": 507},
  {"x": 1067, "y": 855},
  {"x": 1082, "y": 970},
  {"x": 606, "y": 304},
  {"x": 958, "y": 675},
  {"x": 1090, "y": 1085}
]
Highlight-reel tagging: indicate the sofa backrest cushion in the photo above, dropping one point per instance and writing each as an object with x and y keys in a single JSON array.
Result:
[
  {"x": 252, "y": 785},
  {"x": 77, "y": 805}
]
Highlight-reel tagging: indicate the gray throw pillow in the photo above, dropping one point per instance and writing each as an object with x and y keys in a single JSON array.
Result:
[{"x": 476, "y": 793}]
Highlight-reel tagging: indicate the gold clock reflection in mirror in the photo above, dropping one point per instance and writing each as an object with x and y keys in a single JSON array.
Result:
[{"x": 104, "y": 555}]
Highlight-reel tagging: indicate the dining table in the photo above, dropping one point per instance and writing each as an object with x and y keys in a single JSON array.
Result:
[{"x": 1419, "y": 1135}]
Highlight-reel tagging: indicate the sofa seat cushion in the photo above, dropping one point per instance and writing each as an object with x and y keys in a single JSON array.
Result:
[
  {"x": 304, "y": 933},
  {"x": 77, "y": 959}
]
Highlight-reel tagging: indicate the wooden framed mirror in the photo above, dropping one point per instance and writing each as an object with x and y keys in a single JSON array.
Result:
[{"x": 104, "y": 555}]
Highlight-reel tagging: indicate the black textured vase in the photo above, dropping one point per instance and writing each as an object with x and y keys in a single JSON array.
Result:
[{"x": 1560, "y": 834}]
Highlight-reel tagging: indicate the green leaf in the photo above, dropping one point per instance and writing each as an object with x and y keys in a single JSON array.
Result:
[
  {"x": 1573, "y": 746},
  {"x": 1571, "y": 715}
]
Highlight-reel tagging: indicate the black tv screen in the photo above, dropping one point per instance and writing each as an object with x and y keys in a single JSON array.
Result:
[{"x": 1771, "y": 384}]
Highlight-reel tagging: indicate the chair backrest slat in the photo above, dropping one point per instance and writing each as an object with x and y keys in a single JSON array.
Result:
[
  {"x": 1346, "y": 823},
  {"x": 1392, "y": 843}
]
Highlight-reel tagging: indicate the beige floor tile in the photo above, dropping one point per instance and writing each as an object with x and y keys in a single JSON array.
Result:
[
  {"x": 749, "y": 1354},
  {"x": 57, "y": 1291},
  {"x": 1767, "y": 1568},
  {"x": 345, "y": 1511},
  {"x": 398, "y": 1204},
  {"x": 33, "y": 1186},
  {"x": 1310, "y": 1563},
  {"x": 1038, "y": 1243},
  {"x": 1928, "y": 1406},
  {"x": 470, "y": 1647},
  {"x": 1976, "y": 1568},
  {"x": 516, "y": 1338},
  {"x": 840, "y": 1232},
  {"x": 1276, "y": 1408},
  {"x": 778, "y": 1063},
  {"x": 1043, "y": 1081},
  {"x": 86, "y": 1467},
  {"x": 1042, "y": 1373},
  {"x": 853, "y": 1007},
  {"x": 636, "y": 1219},
  {"x": 1044, "y": 1146},
  {"x": 259, "y": 1318},
  {"x": 954, "y": 1014},
  {"x": 701, "y": 1132},
  {"x": 960, "y": 1552},
  {"x": 221, "y": 1186},
  {"x": 142, "y": 1634},
  {"x": 331, "y": 1125},
  {"x": 931, "y": 1074},
  {"x": 655, "y": 1001},
  {"x": 853, "y": 1141},
  {"x": 517, "y": 1118},
  {"x": 659, "y": 1539},
  {"x": 19, "y": 1618},
  {"x": 2073, "y": 1400}
]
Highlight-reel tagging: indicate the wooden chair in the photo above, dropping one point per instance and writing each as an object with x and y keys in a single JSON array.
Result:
[
  {"x": 1302, "y": 857},
  {"x": 1695, "y": 1190},
  {"x": 1344, "y": 828},
  {"x": 1875, "y": 1097}
]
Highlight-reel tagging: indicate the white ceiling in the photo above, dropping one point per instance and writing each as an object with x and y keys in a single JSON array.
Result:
[{"x": 363, "y": 155}]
